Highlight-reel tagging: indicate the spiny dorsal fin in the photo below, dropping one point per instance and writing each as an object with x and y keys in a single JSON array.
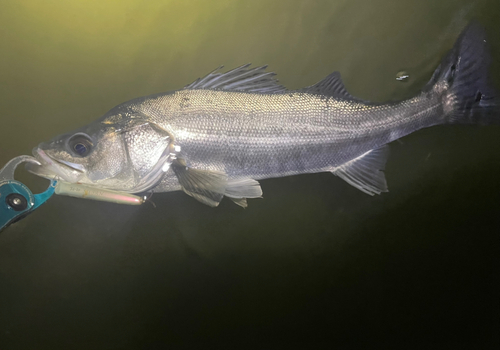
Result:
[
  {"x": 366, "y": 171},
  {"x": 332, "y": 85},
  {"x": 239, "y": 79}
]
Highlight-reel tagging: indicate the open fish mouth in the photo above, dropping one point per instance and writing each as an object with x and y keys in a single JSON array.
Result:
[{"x": 54, "y": 169}]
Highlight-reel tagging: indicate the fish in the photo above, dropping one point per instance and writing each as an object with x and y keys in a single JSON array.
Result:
[{"x": 221, "y": 134}]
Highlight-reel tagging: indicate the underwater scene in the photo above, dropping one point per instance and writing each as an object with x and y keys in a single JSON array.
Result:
[{"x": 289, "y": 254}]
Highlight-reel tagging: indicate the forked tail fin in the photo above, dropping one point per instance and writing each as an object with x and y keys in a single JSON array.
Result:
[{"x": 462, "y": 79}]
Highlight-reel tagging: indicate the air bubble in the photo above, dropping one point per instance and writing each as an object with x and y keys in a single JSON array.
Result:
[{"x": 402, "y": 76}]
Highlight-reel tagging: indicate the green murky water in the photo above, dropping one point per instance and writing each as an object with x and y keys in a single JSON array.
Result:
[{"x": 315, "y": 261}]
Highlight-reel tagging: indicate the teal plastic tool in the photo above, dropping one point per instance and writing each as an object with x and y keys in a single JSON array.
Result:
[{"x": 16, "y": 199}]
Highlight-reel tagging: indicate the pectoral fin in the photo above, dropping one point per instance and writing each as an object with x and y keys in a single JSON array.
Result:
[
  {"x": 208, "y": 186},
  {"x": 366, "y": 171},
  {"x": 205, "y": 186}
]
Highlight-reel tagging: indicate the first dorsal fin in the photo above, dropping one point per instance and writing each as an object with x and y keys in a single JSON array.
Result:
[
  {"x": 332, "y": 85},
  {"x": 239, "y": 79}
]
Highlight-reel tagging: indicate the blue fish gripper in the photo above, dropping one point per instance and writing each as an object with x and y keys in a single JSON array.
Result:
[{"x": 16, "y": 199}]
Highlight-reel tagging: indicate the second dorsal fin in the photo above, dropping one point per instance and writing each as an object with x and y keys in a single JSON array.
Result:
[{"x": 332, "y": 85}]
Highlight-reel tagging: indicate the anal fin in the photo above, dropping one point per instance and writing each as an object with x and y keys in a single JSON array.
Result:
[{"x": 366, "y": 171}]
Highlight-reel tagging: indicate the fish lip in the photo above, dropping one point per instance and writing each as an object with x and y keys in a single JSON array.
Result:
[
  {"x": 47, "y": 159},
  {"x": 74, "y": 166},
  {"x": 41, "y": 156},
  {"x": 54, "y": 169}
]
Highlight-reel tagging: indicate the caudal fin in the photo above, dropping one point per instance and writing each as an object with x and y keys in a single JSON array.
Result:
[{"x": 462, "y": 79}]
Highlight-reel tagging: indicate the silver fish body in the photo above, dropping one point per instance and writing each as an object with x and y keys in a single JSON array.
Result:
[
  {"x": 222, "y": 133},
  {"x": 259, "y": 136}
]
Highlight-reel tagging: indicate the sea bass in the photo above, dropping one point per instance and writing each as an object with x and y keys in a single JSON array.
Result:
[{"x": 222, "y": 133}]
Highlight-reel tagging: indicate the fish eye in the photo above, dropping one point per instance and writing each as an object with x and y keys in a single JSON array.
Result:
[{"x": 80, "y": 144}]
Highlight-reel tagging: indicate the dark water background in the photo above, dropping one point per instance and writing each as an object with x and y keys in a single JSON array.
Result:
[{"x": 315, "y": 261}]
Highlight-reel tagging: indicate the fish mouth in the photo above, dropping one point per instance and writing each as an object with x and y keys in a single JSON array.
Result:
[{"x": 54, "y": 169}]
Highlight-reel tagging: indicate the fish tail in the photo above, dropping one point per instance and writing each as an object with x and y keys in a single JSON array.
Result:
[{"x": 462, "y": 81}]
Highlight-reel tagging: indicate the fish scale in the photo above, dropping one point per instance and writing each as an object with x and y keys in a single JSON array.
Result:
[{"x": 277, "y": 135}]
